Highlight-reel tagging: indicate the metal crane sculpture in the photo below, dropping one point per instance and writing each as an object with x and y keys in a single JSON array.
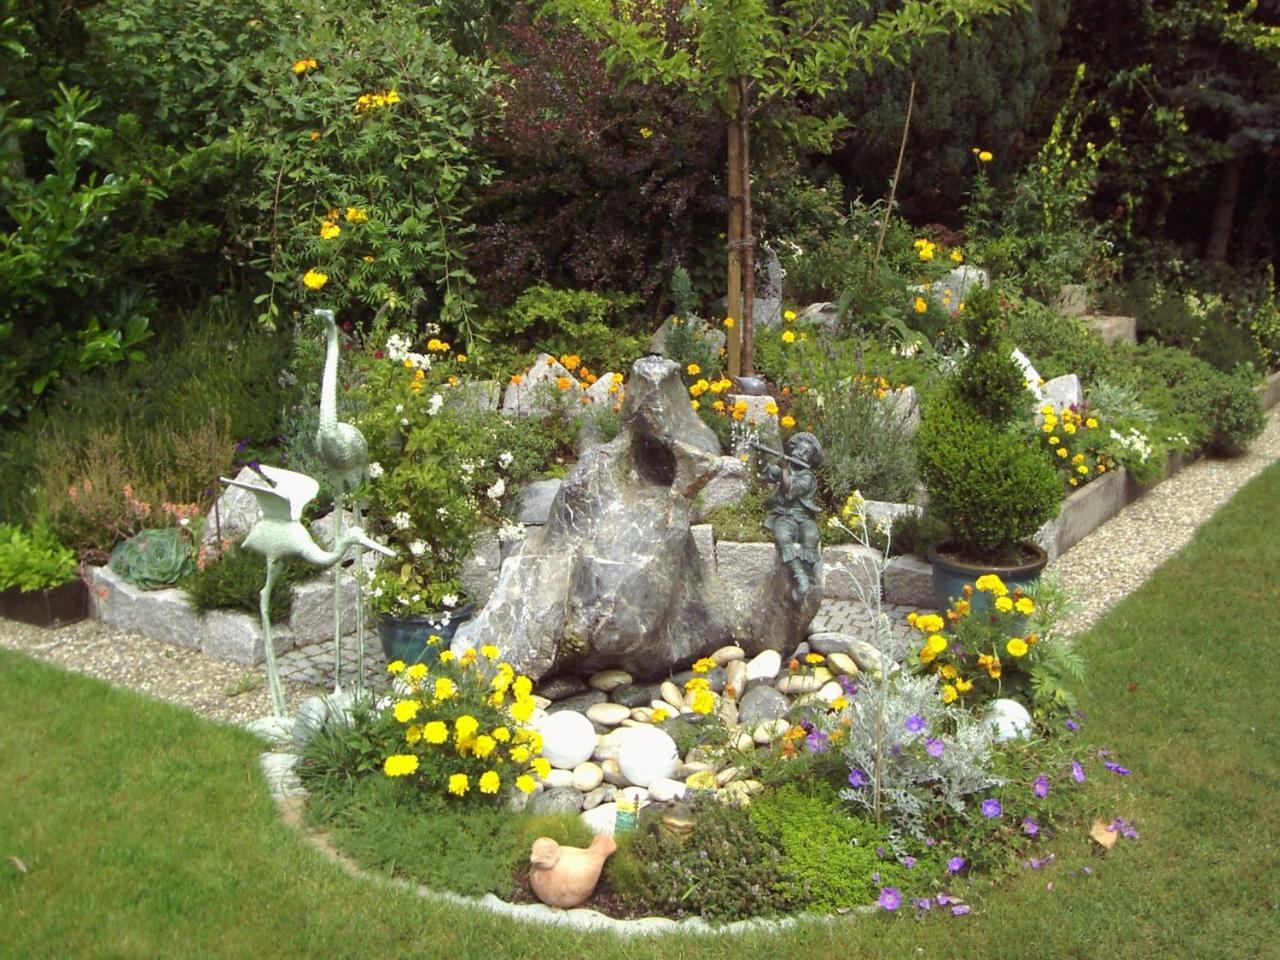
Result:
[
  {"x": 345, "y": 453},
  {"x": 279, "y": 533}
]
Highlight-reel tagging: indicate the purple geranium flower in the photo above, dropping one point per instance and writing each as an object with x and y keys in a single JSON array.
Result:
[
  {"x": 908, "y": 862},
  {"x": 915, "y": 723},
  {"x": 817, "y": 741},
  {"x": 1116, "y": 768},
  {"x": 955, "y": 864},
  {"x": 960, "y": 909},
  {"x": 858, "y": 779},
  {"x": 991, "y": 808},
  {"x": 1037, "y": 862},
  {"x": 1126, "y": 828},
  {"x": 1077, "y": 771},
  {"x": 890, "y": 898},
  {"x": 1042, "y": 786},
  {"x": 944, "y": 899},
  {"x": 924, "y": 903},
  {"x": 1072, "y": 725},
  {"x": 1029, "y": 826},
  {"x": 848, "y": 685},
  {"x": 934, "y": 746}
]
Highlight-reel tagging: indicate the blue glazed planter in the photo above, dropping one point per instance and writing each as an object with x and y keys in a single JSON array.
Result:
[
  {"x": 405, "y": 638},
  {"x": 951, "y": 573}
]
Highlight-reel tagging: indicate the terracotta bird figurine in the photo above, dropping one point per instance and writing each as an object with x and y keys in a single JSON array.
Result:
[
  {"x": 279, "y": 533},
  {"x": 567, "y": 876},
  {"x": 345, "y": 454}
]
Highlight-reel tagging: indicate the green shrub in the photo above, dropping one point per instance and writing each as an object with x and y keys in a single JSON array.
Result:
[
  {"x": 154, "y": 558},
  {"x": 33, "y": 559},
  {"x": 1059, "y": 344},
  {"x": 724, "y": 870},
  {"x": 988, "y": 378},
  {"x": 233, "y": 581},
  {"x": 828, "y": 857},
  {"x": 991, "y": 488}
]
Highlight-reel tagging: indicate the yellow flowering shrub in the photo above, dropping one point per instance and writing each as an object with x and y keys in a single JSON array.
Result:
[
  {"x": 1075, "y": 443},
  {"x": 463, "y": 724}
]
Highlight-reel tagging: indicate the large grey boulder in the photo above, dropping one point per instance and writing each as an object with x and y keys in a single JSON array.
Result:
[{"x": 615, "y": 578}]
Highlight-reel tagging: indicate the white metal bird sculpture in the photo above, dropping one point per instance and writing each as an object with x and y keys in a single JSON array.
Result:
[
  {"x": 279, "y": 533},
  {"x": 345, "y": 453}
]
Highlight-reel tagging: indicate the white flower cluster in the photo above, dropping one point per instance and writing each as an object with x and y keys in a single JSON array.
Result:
[
  {"x": 434, "y": 404},
  {"x": 401, "y": 520},
  {"x": 418, "y": 547},
  {"x": 504, "y": 459},
  {"x": 496, "y": 491},
  {"x": 1134, "y": 442},
  {"x": 375, "y": 470},
  {"x": 398, "y": 352}
]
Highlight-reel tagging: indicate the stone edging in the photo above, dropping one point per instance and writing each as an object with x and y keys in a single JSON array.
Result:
[{"x": 289, "y": 796}]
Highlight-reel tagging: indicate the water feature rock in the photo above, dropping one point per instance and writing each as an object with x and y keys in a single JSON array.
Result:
[
  {"x": 568, "y": 738},
  {"x": 647, "y": 754},
  {"x": 614, "y": 578}
]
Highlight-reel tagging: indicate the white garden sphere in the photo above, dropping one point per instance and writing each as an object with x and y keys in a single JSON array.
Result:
[
  {"x": 568, "y": 739},
  {"x": 1008, "y": 720},
  {"x": 647, "y": 754}
]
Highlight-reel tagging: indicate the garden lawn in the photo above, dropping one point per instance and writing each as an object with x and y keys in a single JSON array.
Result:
[{"x": 147, "y": 832}]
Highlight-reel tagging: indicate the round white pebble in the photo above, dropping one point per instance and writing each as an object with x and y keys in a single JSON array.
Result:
[
  {"x": 647, "y": 754},
  {"x": 568, "y": 738}
]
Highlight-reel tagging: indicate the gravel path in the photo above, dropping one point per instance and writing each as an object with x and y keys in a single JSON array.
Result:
[{"x": 1098, "y": 571}]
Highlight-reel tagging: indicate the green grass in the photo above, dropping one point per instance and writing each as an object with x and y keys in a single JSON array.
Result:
[{"x": 147, "y": 832}]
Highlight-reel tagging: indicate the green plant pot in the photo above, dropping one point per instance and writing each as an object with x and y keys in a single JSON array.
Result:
[
  {"x": 405, "y": 638},
  {"x": 952, "y": 572},
  {"x": 52, "y": 607}
]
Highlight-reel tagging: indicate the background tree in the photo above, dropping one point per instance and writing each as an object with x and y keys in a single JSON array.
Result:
[{"x": 762, "y": 61}]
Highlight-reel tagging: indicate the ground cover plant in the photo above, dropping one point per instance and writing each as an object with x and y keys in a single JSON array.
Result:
[{"x": 146, "y": 772}]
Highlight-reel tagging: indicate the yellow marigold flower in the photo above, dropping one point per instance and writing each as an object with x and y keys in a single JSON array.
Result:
[
  {"x": 814, "y": 658},
  {"x": 788, "y": 421},
  {"x": 659, "y": 714},
  {"x": 949, "y": 694},
  {"x": 926, "y": 252},
  {"x": 1091, "y": 423},
  {"x": 542, "y": 767},
  {"x": 302, "y": 66},
  {"x": 570, "y": 361},
  {"x": 1061, "y": 451},
  {"x": 788, "y": 336},
  {"x": 1017, "y": 647},
  {"x": 694, "y": 404},
  {"x": 501, "y": 734},
  {"x": 490, "y": 781},
  {"x": 927, "y": 654},
  {"x": 521, "y": 710},
  {"x": 1083, "y": 470},
  {"x": 466, "y": 725},
  {"x": 520, "y": 754},
  {"x": 484, "y": 745},
  {"x": 788, "y": 315},
  {"x": 314, "y": 279},
  {"x": 522, "y": 686},
  {"x": 937, "y": 643},
  {"x": 992, "y": 584},
  {"x": 1026, "y": 605},
  {"x": 948, "y": 672},
  {"x": 395, "y": 666},
  {"x": 356, "y": 215},
  {"x": 921, "y": 305},
  {"x": 1004, "y": 604},
  {"x": 704, "y": 701},
  {"x": 985, "y": 156},
  {"x": 771, "y": 408},
  {"x": 728, "y": 323},
  {"x": 489, "y": 651},
  {"x": 446, "y": 656},
  {"x": 417, "y": 671},
  {"x": 929, "y": 623},
  {"x": 406, "y": 710},
  {"x": 400, "y": 765},
  {"x": 693, "y": 369},
  {"x": 563, "y": 383},
  {"x": 839, "y": 703},
  {"x": 391, "y": 97},
  {"x": 412, "y": 733},
  {"x": 445, "y": 687},
  {"x": 435, "y": 732},
  {"x": 696, "y": 683},
  {"x": 963, "y": 685},
  {"x": 957, "y": 256},
  {"x": 703, "y": 665},
  {"x": 329, "y": 230},
  {"x": 459, "y": 784},
  {"x": 1068, "y": 428},
  {"x": 468, "y": 657},
  {"x": 645, "y": 132},
  {"x": 1054, "y": 441},
  {"x": 526, "y": 783}
]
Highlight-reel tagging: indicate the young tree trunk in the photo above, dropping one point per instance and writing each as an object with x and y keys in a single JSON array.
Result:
[
  {"x": 748, "y": 238},
  {"x": 733, "y": 285},
  {"x": 1224, "y": 210}
]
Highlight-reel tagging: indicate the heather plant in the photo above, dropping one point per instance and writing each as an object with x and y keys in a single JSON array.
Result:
[{"x": 233, "y": 581}]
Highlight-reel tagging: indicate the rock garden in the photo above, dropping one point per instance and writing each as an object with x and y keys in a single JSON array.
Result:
[{"x": 684, "y": 554}]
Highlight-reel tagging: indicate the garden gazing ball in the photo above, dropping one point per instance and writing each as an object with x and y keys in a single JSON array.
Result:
[
  {"x": 1008, "y": 720},
  {"x": 647, "y": 754},
  {"x": 568, "y": 739}
]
